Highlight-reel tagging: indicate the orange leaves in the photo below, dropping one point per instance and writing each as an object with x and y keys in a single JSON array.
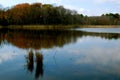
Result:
[{"x": 24, "y": 5}]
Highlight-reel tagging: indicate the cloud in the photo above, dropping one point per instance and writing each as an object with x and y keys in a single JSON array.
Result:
[
  {"x": 5, "y": 57},
  {"x": 83, "y": 11},
  {"x": 104, "y": 59},
  {"x": 78, "y": 9},
  {"x": 9, "y": 52}
]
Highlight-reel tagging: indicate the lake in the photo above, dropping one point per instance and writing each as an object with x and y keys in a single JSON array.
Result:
[{"x": 77, "y": 54}]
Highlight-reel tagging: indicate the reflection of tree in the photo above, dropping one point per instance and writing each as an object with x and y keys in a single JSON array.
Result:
[
  {"x": 47, "y": 38},
  {"x": 40, "y": 39},
  {"x": 39, "y": 63},
  {"x": 2, "y": 36},
  {"x": 30, "y": 61}
]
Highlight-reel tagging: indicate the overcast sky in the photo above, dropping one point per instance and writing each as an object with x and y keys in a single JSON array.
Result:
[{"x": 86, "y": 7}]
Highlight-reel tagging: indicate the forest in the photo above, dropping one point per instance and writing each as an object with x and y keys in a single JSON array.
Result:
[{"x": 47, "y": 14}]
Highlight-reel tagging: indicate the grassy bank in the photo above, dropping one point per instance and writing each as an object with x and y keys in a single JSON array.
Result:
[{"x": 40, "y": 27}]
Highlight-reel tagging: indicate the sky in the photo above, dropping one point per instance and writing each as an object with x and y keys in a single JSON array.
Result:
[{"x": 86, "y": 7}]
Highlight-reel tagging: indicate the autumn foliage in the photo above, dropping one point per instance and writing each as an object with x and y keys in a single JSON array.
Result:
[{"x": 38, "y": 13}]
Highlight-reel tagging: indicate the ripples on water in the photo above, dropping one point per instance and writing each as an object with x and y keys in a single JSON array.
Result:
[{"x": 59, "y": 55}]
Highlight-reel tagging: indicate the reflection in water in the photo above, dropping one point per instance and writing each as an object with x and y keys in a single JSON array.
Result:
[
  {"x": 47, "y": 38},
  {"x": 30, "y": 61},
  {"x": 39, "y": 63},
  {"x": 101, "y": 30},
  {"x": 89, "y": 56}
]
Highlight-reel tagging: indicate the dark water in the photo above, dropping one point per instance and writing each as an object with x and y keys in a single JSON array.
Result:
[{"x": 59, "y": 55}]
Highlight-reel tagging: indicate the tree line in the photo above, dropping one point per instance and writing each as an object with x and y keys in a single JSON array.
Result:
[{"x": 47, "y": 14}]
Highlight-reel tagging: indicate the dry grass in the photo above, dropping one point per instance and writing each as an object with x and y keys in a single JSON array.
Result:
[{"x": 41, "y": 27}]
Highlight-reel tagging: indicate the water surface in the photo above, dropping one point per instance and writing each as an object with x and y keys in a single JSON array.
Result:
[
  {"x": 59, "y": 55},
  {"x": 100, "y": 30}
]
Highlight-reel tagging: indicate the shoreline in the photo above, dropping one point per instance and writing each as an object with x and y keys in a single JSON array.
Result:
[{"x": 42, "y": 27}]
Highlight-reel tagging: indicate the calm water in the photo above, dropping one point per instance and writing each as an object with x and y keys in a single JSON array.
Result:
[
  {"x": 100, "y": 30},
  {"x": 59, "y": 55}
]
